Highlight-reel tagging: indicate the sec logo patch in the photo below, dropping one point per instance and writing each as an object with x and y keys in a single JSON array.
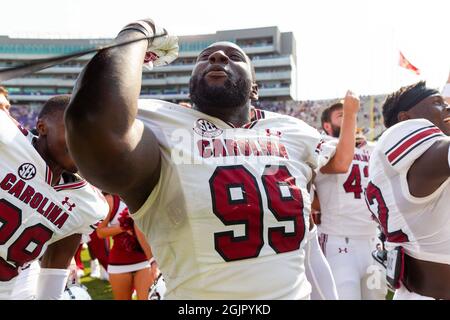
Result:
[
  {"x": 27, "y": 171},
  {"x": 207, "y": 129}
]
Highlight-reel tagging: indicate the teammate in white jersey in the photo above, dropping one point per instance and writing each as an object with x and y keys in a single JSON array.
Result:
[
  {"x": 318, "y": 269},
  {"x": 44, "y": 206},
  {"x": 409, "y": 190},
  {"x": 221, "y": 196},
  {"x": 347, "y": 232}
]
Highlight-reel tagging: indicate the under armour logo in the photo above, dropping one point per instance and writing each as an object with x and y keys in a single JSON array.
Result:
[
  {"x": 343, "y": 250},
  {"x": 70, "y": 205}
]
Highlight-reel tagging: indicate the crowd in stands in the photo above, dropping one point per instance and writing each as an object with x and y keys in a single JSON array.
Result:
[
  {"x": 308, "y": 111},
  {"x": 26, "y": 115}
]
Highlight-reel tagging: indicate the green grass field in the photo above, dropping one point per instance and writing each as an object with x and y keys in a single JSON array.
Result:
[
  {"x": 98, "y": 289},
  {"x": 389, "y": 295}
]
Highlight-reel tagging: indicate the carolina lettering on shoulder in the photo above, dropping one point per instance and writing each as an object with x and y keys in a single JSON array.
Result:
[{"x": 34, "y": 199}]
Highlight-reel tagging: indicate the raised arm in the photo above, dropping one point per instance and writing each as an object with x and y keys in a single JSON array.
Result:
[
  {"x": 346, "y": 145},
  {"x": 104, "y": 231},
  {"x": 112, "y": 149}
]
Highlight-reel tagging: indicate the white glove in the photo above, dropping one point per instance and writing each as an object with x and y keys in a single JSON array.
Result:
[{"x": 162, "y": 50}]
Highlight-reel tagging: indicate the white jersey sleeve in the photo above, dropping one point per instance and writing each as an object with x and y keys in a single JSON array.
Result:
[
  {"x": 403, "y": 145},
  {"x": 95, "y": 208},
  {"x": 406, "y": 142},
  {"x": 323, "y": 152},
  {"x": 7, "y": 133},
  {"x": 326, "y": 150}
]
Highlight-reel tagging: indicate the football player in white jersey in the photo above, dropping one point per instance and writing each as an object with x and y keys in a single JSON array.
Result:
[
  {"x": 44, "y": 206},
  {"x": 318, "y": 269},
  {"x": 347, "y": 232},
  {"x": 409, "y": 191},
  {"x": 222, "y": 196}
]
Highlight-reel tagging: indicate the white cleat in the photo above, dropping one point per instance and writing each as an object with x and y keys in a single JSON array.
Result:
[
  {"x": 103, "y": 274},
  {"x": 95, "y": 269}
]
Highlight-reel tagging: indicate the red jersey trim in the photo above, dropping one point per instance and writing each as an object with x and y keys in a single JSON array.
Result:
[
  {"x": 48, "y": 175},
  {"x": 410, "y": 142},
  {"x": 23, "y": 130},
  {"x": 71, "y": 186}
]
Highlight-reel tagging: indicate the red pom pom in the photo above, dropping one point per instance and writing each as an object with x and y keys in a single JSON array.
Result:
[{"x": 126, "y": 222}]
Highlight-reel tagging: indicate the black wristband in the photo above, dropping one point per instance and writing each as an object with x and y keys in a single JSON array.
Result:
[{"x": 140, "y": 28}]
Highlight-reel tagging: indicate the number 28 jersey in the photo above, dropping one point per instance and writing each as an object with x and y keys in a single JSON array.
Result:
[
  {"x": 34, "y": 214},
  {"x": 228, "y": 217}
]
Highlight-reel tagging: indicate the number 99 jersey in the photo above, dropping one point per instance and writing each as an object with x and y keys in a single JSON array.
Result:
[{"x": 228, "y": 217}]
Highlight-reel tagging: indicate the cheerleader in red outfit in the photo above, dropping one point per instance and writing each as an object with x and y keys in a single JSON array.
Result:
[{"x": 129, "y": 259}]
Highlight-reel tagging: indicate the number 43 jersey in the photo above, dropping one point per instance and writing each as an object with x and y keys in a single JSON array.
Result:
[
  {"x": 343, "y": 209},
  {"x": 34, "y": 214},
  {"x": 228, "y": 217}
]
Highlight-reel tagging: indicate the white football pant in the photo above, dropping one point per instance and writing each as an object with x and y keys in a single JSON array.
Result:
[
  {"x": 357, "y": 275},
  {"x": 318, "y": 271}
]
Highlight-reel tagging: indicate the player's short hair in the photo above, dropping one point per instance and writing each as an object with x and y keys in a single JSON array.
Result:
[
  {"x": 3, "y": 91},
  {"x": 326, "y": 114},
  {"x": 404, "y": 99},
  {"x": 54, "y": 105}
]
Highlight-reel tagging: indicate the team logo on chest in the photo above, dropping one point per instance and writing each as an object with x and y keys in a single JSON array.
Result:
[
  {"x": 27, "y": 171},
  {"x": 207, "y": 129}
]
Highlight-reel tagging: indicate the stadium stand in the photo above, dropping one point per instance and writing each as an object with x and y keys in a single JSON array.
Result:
[{"x": 308, "y": 111}]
